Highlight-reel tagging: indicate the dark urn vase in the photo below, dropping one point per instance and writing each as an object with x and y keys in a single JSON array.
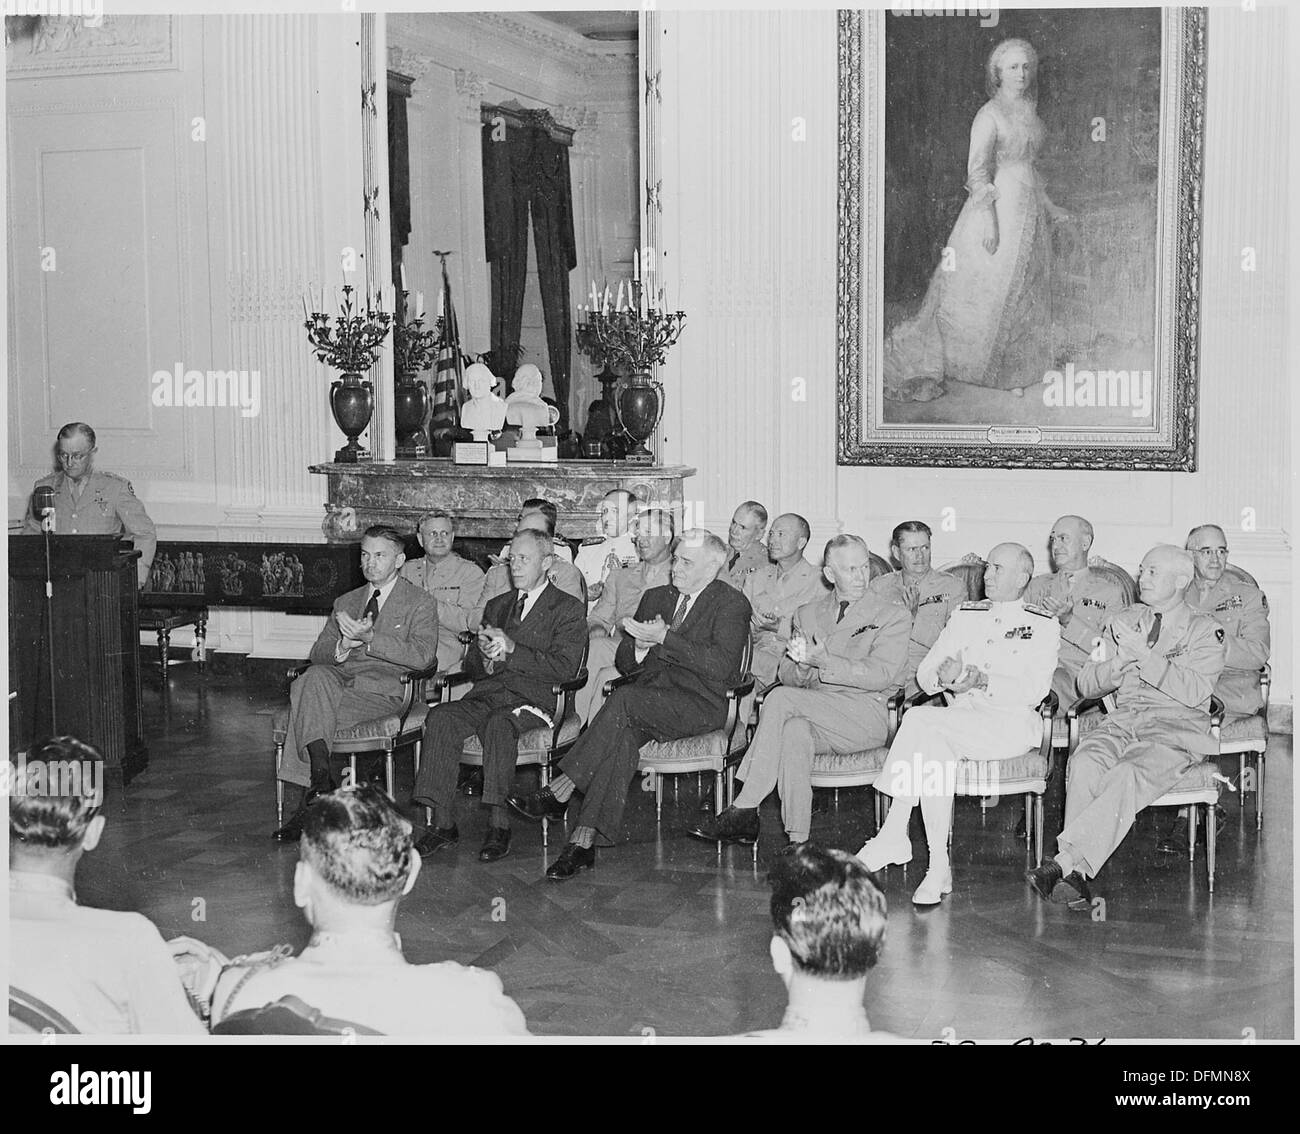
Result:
[
  {"x": 640, "y": 406},
  {"x": 410, "y": 408},
  {"x": 352, "y": 400}
]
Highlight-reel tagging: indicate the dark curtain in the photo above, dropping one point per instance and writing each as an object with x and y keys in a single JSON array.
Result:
[
  {"x": 527, "y": 172},
  {"x": 399, "y": 175}
]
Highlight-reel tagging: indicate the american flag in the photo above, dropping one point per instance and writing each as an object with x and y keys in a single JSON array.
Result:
[{"x": 448, "y": 374}]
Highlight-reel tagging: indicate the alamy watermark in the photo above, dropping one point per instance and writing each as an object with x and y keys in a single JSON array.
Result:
[
  {"x": 35, "y": 779},
  {"x": 92, "y": 11},
  {"x": 241, "y": 389},
  {"x": 1101, "y": 388},
  {"x": 988, "y": 13}
]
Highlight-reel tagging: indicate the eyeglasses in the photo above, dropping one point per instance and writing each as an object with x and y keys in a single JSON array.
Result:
[
  {"x": 1216, "y": 552},
  {"x": 74, "y": 458}
]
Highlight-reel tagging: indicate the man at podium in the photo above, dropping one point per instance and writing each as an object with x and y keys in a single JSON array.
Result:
[{"x": 87, "y": 502}]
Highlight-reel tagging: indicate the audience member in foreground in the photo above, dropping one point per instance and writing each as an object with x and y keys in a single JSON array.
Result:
[
  {"x": 106, "y": 972},
  {"x": 1161, "y": 658},
  {"x": 357, "y": 861},
  {"x": 995, "y": 658},
  {"x": 846, "y": 655},
  {"x": 828, "y": 927},
  {"x": 685, "y": 645}
]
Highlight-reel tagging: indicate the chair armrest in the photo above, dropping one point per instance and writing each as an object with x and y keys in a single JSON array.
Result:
[
  {"x": 572, "y": 685},
  {"x": 1048, "y": 705},
  {"x": 413, "y": 675},
  {"x": 616, "y": 682},
  {"x": 1082, "y": 705},
  {"x": 295, "y": 672},
  {"x": 445, "y": 679}
]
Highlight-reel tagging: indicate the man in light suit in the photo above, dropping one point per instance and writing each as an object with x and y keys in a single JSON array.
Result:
[
  {"x": 847, "y": 653},
  {"x": 685, "y": 645},
  {"x": 377, "y": 632},
  {"x": 619, "y": 599},
  {"x": 560, "y": 572},
  {"x": 531, "y": 638}
]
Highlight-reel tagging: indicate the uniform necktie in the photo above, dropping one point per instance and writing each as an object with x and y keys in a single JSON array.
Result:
[
  {"x": 731, "y": 563},
  {"x": 844, "y": 605},
  {"x": 680, "y": 616},
  {"x": 1154, "y": 634},
  {"x": 372, "y": 608}
]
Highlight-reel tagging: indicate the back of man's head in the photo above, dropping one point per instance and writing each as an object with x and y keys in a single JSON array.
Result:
[
  {"x": 828, "y": 912},
  {"x": 358, "y": 845},
  {"x": 55, "y": 792}
]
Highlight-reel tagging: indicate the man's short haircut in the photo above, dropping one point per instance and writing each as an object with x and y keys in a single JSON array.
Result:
[
  {"x": 1203, "y": 527},
  {"x": 436, "y": 514},
  {"x": 828, "y": 911},
  {"x": 706, "y": 540},
  {"x": 544, "y": 543},
  {"x": 1025, "y": 561},
  {"x": 1178, "y": 557},
  {"x": 914, "y": 526},
  {"x": 75, "y": 427},
  {"x": 661, "y": 519},
  {"x": 383, "y": 531},
  {"x": 545, "y": 507},
  {"x": 801, "y": 525},
  {"x": 756, "y": 508},
  {"x": 631, "y": 496},
  {"x": 53, "y": 807},
  {"x": 845, "y": 539},
  {"x": 359, "y": 844}
]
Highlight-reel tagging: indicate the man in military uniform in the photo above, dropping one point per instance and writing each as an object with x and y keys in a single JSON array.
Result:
[
  {"x": 618, "y": 601},
  {"x": 615, "y": 546},
  {"x": 927, "y": 595},
  {"x": 846, "y": 654},
  {"x": 746, "y": 551},
  {"x": 777, "y": 590},
  {"x": 1161, "y": 658},
  {"x": 1082, "y": 597},
  {"x": 1240, "y": 608},
  {"x": 996, "y": 659},
  {"x": 536, "y": 505},
  {"x": 87, "y": 502},
  {"x": 454, "y": 582}
]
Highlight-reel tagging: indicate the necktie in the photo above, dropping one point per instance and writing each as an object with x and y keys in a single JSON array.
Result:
[
  {"x": 372, "y": 608},
  {"x": 1154, "y": 634},
  {"x": 518, "y": 615},
  {"x": 844, "y": 605},
  {"x": 731, "y": 563},
  {"x": 682, "y": 608}
]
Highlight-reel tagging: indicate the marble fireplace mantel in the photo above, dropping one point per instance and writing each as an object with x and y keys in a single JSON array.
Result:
[{"x": 486, "y": 500}]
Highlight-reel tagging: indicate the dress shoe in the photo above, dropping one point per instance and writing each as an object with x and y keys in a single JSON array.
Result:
[
  {"x": 706, "y": 801},
  {"x": 1044, "y": 878},
  {"x": 572, "y": 859},
  {"x": 934, "y": 885},
  {"x": 735, "y": 825},
  {"x": 876, "y": 854},
  {"x": 540, "y": 804},
  {"x": 291, "y": 832},
  {"x": 1175, "y": 842},
  {"x": 436, "y": 838},
  {"x": 1072, "y": 891},
  {"x": 496, "y": 844}
]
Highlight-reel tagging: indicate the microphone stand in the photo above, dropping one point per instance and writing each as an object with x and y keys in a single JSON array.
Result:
[{"x": 47, "y": 527}]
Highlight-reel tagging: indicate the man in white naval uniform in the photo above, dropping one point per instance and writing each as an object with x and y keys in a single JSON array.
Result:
[{"x": 995, "y": 658}]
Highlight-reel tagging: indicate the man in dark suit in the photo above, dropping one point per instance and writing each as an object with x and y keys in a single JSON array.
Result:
[
  {"x": 377, "y": 632},
  {"x": 531, "y": 637},
  {"x": 685, "y": 644}
]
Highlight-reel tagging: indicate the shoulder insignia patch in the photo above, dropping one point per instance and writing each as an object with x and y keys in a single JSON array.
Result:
[
  {"x": 591, "y": 541},
  {"x": 978, "y": 604}
]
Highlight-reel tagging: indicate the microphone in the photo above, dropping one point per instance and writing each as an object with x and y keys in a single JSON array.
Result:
[{"x": 43, "y": 506}]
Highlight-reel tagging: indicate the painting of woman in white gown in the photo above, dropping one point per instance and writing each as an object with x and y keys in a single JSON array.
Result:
[{"x": 986, "y": 318}]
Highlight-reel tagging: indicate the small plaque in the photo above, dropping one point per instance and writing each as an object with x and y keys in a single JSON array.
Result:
[
  {"x": 470, "y": 453},
  {"x": 1015, "y": 435}
]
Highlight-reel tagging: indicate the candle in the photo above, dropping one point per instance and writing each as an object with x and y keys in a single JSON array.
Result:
[
  {"x": 636, "y": 265},
  {"x": 305, "y": 313},
  {"x": 618, "y": 303},
  {"x": 402, "y": 269},
  {"x": 595, "y": 297},
  {"x": 442, "y": 297},
  {"x": 606, "y": 304},
  {"x": 419, "y": 305}
]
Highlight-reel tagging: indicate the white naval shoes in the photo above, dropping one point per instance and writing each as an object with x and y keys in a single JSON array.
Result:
[
  {"x": 877, "y": 854},
  {"x": 933, "y": 886}
]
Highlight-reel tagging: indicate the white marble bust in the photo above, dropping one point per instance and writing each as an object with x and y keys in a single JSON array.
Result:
[
  {"x": 484, "y": 413},
  {"x": 526, "y": 409}
]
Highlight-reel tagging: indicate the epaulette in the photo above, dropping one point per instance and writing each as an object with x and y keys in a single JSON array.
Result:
[
  {"x": 977, "y": 604},
  {"x": 1034, "y": 609},
  {"x": 591, "y": 541},
  {"x": 112, "y": 475}
]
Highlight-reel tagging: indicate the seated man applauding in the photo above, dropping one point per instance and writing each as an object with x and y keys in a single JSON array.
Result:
[
  {"x": 777, "y": 590},
  {"x": 996, "y": 659},
  {"x": 1161, "y": 658},
  {"x": 685, "y": 645},
  {"x": 356, "y": 864},
  {"x": 564, "y": 576},
  {"x": 828, "y": 927},
  {"x": 530, "y": 639},
  {"x": 847, "y": 653}
]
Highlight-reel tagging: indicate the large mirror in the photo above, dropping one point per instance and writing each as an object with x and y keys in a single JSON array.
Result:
[{"x": 515, "y": 147}]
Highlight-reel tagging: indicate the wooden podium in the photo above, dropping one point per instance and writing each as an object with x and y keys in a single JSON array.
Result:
[{"x": 96, "y": 672}]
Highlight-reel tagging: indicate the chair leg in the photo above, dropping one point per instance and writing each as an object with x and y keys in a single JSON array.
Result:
[
  {"x": 1193, "y": 814},
  {"x": 201, "y": 638},
  {"x": 279, "y": 786},
  {"x": 352, "y": 769},
  {"x": 164, "y": 646},
  {"x": 1259, "y": 791},
  {"x": 1029, "y": 818},
  {"x": 546, "y": 782},
  {"x": 837, "y": 799},
  {"x": 717, "y": 793},
  {"x": 388, "y": 774},
  {"x": 1211, "y": 835},
  {"x": 659, "y": 796}
]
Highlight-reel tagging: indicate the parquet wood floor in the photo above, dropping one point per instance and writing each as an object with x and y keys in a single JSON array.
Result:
[{"x": 663, "y": 935}]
